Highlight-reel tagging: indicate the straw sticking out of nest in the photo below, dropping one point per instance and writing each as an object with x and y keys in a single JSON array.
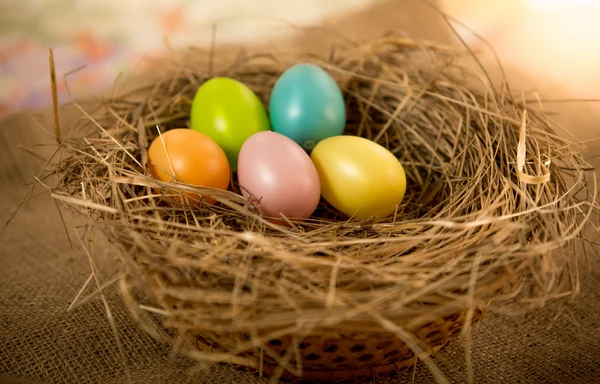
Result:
[{"x": 470, "y": 231}]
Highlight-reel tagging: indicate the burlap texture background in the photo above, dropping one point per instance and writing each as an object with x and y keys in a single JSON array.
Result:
[{"x": 40, "y": 275}]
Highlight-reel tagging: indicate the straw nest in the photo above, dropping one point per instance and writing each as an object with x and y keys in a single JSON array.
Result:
[{"x": 496, "y": 200}]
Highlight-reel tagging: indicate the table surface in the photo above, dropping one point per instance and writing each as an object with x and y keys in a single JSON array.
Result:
[{"x": 40, "y": 342}]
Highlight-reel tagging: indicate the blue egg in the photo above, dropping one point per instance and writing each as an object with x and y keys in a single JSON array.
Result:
[{"x": 307, "y": 106}]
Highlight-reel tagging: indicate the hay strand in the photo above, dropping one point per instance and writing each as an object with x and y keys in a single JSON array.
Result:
[{"x": 54, "y": 88}]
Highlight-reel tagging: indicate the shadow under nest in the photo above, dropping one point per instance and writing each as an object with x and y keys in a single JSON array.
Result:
[{"x": 334, "y": 294}]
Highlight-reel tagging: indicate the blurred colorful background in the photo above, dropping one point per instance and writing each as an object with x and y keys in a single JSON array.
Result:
[
  {"x": 552, "y": 40},
  {"x": 112, "y": 36}
]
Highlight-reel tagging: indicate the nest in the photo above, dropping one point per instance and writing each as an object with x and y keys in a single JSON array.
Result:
[{"x": 496, "y": 200}]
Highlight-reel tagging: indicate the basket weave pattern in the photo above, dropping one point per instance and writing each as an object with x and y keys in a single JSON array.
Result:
[{"x": 341, "y": 357}]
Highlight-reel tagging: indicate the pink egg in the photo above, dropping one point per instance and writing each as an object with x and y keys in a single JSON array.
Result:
[{"x": 278, "y": 175}]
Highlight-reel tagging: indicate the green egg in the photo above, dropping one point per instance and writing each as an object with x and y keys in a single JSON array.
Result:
[{"x": 228, "y": 112}]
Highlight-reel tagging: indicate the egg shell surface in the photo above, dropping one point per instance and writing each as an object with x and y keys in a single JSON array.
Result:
[
  {"x": 229, "y": 112},
  {"x": 279, "y": 176},
  {"x": 358, "y": 176},
  {"x": 307, "y": 105},
  {"x": 190, "y": 157}
]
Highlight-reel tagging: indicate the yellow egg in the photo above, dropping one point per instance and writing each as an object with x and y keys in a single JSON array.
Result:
[{"x": 358, "y": 176}]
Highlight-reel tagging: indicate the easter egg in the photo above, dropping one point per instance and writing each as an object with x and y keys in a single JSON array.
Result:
[
  {"x": 358, "y": 176},
  {"x": 229, "y": 112},
  {"x": 189, "y": 157},
  {"x": 307, "y": 105},
  {"x": 278, "y": 175}
]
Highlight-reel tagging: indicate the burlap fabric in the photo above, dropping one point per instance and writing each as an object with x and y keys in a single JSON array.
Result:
[
  {"x": 41, "y": 274},
  {"x": 41, "y": 343}
]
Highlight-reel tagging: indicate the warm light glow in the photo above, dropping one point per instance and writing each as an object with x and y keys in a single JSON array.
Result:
[{"x": 562, "y": 4}]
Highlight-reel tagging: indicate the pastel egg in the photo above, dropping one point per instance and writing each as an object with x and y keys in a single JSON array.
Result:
[
  {"x": 307, "y": 105},
  {"x": 278, "y": 175},
  {"x": 358, "y": 176},
  {"x": 190, "y": 157},
  {"x": 229, "y": 112}
]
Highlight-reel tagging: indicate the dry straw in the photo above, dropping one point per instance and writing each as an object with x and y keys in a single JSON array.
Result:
[{"x": 497, "y": 199}]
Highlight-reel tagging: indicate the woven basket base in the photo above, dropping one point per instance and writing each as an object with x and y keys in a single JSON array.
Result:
[
  {"x": 347, "y": 376},
  {"x": 343, "y": 358}
]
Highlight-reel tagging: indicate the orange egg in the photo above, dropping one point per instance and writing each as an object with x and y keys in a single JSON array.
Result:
[{"x": 189, "y": 157}]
